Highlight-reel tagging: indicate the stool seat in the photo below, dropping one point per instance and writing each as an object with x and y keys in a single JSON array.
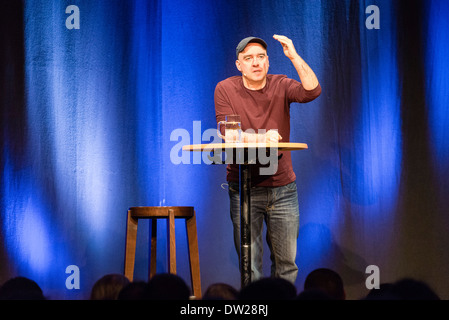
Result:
[
  {"x": 169, "y": 213},
  {"x": 161, "y": 212}
]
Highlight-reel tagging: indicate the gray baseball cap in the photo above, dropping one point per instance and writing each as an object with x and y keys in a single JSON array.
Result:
[{"x": 242, "y": 44}]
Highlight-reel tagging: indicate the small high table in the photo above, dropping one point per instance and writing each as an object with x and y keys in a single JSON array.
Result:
[{"x": 248, "y": 152}]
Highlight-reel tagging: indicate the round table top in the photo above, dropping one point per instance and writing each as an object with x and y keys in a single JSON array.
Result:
[{"x": 282, "y": 146}]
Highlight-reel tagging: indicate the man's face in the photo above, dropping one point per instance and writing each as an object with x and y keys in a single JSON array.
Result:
[{"x": 253, "y": 63}]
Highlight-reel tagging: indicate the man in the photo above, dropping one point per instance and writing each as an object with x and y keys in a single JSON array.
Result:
[{"x": 263, "y": 102}]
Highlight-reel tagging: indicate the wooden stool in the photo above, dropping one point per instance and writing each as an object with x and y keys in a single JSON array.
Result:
[{"x": 169, "y": 213}]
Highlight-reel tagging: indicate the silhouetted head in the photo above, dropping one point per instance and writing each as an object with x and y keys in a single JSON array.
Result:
[
  {"x": 21, "y": 288},
  {"x": 220, "y": 291},
  {"x": 268, "y": 289},
  {"x": 167, "y": 286},
  {"x": 108, "y": 287},
  {"x": 327, "y": 281},
  {"x": 134, "y": 291},
  {"x": 411, "y": 289}
]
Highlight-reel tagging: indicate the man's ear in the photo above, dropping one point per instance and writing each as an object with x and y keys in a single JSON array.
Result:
[{"x": 237, "y": 64}]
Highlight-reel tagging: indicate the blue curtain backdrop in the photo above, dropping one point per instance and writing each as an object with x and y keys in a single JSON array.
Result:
[{"x": 88, "y": 115}]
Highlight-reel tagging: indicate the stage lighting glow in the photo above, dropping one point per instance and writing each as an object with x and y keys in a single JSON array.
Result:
[
  {"x": 27, "y": 236},
  {"x": 379, "y": 125},
  {"x": 437, "y": 68}
]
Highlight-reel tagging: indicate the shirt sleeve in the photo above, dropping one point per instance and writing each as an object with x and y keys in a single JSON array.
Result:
[
  {"x": 222, "y": 104},
  {"x": 297, "y": 93}
]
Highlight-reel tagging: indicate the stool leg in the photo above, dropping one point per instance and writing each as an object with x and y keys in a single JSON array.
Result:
[
  {"x": 153, "y": 248},
  {"x": 194, "y": 258},
  {"x": 130, "y": 246},
  {"x": 171, "y": 242}
]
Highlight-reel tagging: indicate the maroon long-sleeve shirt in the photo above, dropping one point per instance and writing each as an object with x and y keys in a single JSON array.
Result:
[{"x": 267, "y": 108}]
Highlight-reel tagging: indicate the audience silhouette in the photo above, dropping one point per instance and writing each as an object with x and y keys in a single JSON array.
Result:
[
  {"x": 220, "y": 291},
  {"x": 312, "y": 294},
  {"x": 21, "y": 288},
  {"x": 134, "y": 291},
  {"x": 167, "y": 286},
  {"x": 384, "y": 292},
  {"x": 320, "y": 284},
  {"x": 404, "y": 289},
  {"x": 326, "y": 281},
  {"x": 268, "y": 289},
  {"x": 108, "y": 287}
]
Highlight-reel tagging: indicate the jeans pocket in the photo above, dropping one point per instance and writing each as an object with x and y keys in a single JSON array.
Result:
[{"x": 291, "y": 187}]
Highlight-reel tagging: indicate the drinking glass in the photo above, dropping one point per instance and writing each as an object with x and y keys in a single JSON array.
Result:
[{"x": 233, "y": 128}]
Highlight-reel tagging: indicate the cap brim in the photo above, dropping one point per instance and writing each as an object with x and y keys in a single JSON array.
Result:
[{"x": 242, "y": 45}]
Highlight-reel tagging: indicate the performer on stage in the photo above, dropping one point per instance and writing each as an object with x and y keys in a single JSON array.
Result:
[{"x": 263, "y": 102}]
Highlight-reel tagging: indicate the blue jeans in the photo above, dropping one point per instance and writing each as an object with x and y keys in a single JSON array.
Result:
[{"x": 278, "y": 207}]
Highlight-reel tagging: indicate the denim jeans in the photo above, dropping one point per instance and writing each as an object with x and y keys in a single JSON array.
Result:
[{"x": 278, "y": 207}]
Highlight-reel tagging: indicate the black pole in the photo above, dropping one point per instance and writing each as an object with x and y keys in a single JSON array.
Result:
[{"x": 245, "y": 224}]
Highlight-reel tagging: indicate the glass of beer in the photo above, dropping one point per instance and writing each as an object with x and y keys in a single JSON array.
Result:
[{"x": 232, "y": 128}]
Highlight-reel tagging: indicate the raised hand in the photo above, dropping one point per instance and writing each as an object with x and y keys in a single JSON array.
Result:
[{"x": 287, "y": 45}]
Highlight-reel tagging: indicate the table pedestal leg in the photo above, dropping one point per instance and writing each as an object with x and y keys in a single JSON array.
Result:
[{"x": 245, "y": 225}]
